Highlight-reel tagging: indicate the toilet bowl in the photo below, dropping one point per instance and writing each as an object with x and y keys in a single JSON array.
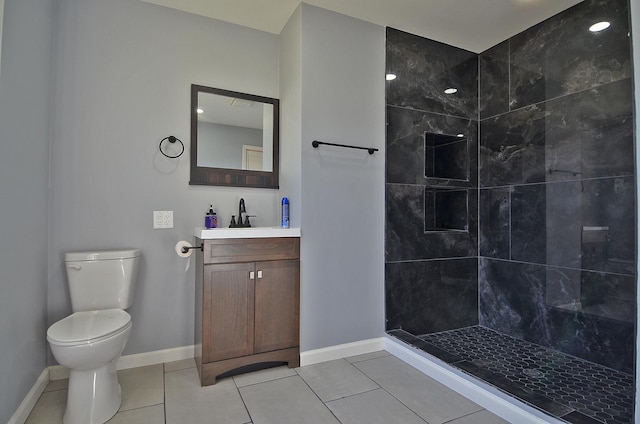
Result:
[{"x": 89, "y": 342}]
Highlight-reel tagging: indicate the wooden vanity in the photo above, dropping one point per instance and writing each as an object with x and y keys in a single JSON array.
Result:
[{"x": 247, "y": 308}]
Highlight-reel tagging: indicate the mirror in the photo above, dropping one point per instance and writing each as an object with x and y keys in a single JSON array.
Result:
[{"x": 234, "y": 138}]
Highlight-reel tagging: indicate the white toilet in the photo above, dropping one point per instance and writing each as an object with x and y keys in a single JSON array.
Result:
[{"x": 90, "y": 341}]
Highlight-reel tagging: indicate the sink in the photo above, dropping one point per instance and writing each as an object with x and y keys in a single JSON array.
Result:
[{"x": 251, "y": 232}]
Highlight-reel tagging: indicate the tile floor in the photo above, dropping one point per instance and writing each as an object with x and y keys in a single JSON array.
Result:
[
  {"x": 372, "y": 388},
  {"x": 563, "y": 386}
]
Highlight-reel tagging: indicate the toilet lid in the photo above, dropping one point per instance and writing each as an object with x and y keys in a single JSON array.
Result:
[{"x": 87, "y": 326}]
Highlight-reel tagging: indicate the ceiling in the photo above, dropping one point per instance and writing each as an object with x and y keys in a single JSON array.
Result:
[{"x": 474, "y": 25}]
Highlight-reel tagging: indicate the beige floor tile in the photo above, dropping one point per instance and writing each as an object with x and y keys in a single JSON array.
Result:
[
  {"x": 49, "y": 409},
  {"x": 482, "y": 417},
  {"x": 367, "y": 356},
  {"x": 375, "y": 407},
  {"x": 57, "y": 385},
  {"x": 187, "y": 402},
  {"x": 148, "y": 415},
  {"x": 432, "y": 401},
  {"x": 179, "y": 365},
  {"x": 143, "y": 386},
  {"x": 336, "y": 379},
  {"x": 285, "y": 401},
  {"x": 261, "y": 376}
]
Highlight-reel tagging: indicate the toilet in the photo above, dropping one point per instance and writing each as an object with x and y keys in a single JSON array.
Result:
[{"x": 89, "y": 342}]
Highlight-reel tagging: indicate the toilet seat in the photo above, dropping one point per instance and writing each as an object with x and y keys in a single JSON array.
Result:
[{"x": 88, "y": 327}]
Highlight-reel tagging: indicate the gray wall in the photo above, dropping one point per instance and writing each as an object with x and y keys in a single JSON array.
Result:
[
  {"x": 24, "y": 130},
  {"x": 123, "y": 71},
  {"x": 342, "y": 190},
  {"x": 227, "y": 154}
]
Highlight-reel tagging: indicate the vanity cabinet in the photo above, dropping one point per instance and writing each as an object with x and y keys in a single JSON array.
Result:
[{"x": 247, "y": 304}]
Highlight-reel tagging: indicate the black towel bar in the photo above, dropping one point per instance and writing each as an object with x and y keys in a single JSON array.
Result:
[{"x": 316, "y": 143}]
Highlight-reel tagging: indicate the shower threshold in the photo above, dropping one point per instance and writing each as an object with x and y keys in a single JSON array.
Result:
[{"x": 563, "y": 386}]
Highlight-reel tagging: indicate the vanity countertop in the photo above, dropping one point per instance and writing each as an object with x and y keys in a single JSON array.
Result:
[{"x": 251, "y": 232}]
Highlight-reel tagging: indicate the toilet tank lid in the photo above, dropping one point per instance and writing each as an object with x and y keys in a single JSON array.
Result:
[{"x": 98, "y": 255}]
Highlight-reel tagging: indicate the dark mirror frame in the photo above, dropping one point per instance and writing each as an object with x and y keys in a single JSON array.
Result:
[{"x": 201, "y": 175}]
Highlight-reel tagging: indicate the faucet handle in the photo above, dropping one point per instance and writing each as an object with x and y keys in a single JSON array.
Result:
[
  {"x": 233, "y": 221},
  {"x": 246, "y": 220}
]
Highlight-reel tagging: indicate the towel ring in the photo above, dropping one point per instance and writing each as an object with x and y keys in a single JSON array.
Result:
[{"x": 171, "y": 139}]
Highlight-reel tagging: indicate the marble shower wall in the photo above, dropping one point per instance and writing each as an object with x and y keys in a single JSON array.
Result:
[
  {"x": 557, "y": 186},
  {"x": 539, "y": 240},
  {"x": 432, "y": 223}
]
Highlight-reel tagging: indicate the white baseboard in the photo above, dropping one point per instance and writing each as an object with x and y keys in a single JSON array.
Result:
[
  {"x": 29, "y": 401},
  {"x": 331, "y": 353},
  {"x": 481, "y": 393},
  {"x": 58, "y": 372}
]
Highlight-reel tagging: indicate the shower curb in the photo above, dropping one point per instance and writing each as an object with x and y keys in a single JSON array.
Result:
[{"x": 488, "y": 397}]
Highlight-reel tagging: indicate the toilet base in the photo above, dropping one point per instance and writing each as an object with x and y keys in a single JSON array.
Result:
[{"x": 94, "y": 395}]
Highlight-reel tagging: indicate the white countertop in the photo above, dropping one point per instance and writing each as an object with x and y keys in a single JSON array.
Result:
[{"x": 251, "y": 232}]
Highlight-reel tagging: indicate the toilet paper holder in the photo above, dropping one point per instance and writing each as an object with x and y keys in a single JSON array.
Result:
[{"x": 185, "y": 249}]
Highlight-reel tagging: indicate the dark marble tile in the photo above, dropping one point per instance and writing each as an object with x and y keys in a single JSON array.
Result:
[
  {"x": 588, "y": 134},
  {"x": 495, "y": 223},
  {"x": 494, "y": 80},
  {"x": 428, "y": 296},
  {"x": 594, "y": 338},
  {"x": 512, "y": 147},
  {"x": 405, "y": 235},
  {"x": 543, "y": 304},
  {"x": 406, "y": 146},
  {"x": 424, "y": 69},
  {"x": 512, "y": 299},
  {"x": 561, "y": 56},
  {"x": 529, "y": 223},
  {"x": 578, "y": 224}
]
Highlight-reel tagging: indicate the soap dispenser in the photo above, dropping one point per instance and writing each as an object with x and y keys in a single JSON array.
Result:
[{"x": 211, "y": 219}]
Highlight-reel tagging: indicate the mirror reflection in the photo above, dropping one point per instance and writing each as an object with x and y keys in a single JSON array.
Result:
[
  {"x": 234, "y": 133},
  {"x": 234, "y": 138}
]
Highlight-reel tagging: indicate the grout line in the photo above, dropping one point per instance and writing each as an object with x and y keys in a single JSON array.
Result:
[{"x": 164, "y": 392}]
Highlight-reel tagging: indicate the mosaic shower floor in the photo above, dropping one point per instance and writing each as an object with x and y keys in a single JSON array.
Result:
[{"x": 566, "y": 387}]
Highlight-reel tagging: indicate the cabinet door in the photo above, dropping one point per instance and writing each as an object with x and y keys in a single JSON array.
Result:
[
  {"x": 277, "y": 305},
  {"x": 228, "y": 311}
]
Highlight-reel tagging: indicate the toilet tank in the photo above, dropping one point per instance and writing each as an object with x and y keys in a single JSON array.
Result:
[{"x": 102, "y": 279}]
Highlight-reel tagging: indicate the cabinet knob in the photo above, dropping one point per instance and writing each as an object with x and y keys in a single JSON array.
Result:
[
  {"x": 259, "y": 274},
  {"x": 251, "y": 275}
]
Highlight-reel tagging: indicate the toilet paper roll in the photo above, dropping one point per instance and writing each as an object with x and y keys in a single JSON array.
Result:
[{"x": 180, "y": 245}]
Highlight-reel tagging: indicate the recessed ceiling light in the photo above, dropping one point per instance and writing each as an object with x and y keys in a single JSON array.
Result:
[
  {"x": 599, "y": 26},
  {"x": 450, "y": 91},
  {"x": 199, "y": 111},
  {"x": 390, "y": 77},
  {"x": 460, "y": 135}
]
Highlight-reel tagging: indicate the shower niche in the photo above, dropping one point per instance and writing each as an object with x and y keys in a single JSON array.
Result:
[
  {"x": 446, "y": 162},
  {"x": 446, "y": 157},
  {"x": 446, "y": 209}
]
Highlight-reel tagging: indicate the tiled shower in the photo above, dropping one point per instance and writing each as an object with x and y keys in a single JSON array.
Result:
[{"x": 510, "y": 208}]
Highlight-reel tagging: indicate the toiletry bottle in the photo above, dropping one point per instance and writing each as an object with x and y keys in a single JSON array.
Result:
[
  {"x": 285, "y": 212},
  {"x": 210, "y": 219}
]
